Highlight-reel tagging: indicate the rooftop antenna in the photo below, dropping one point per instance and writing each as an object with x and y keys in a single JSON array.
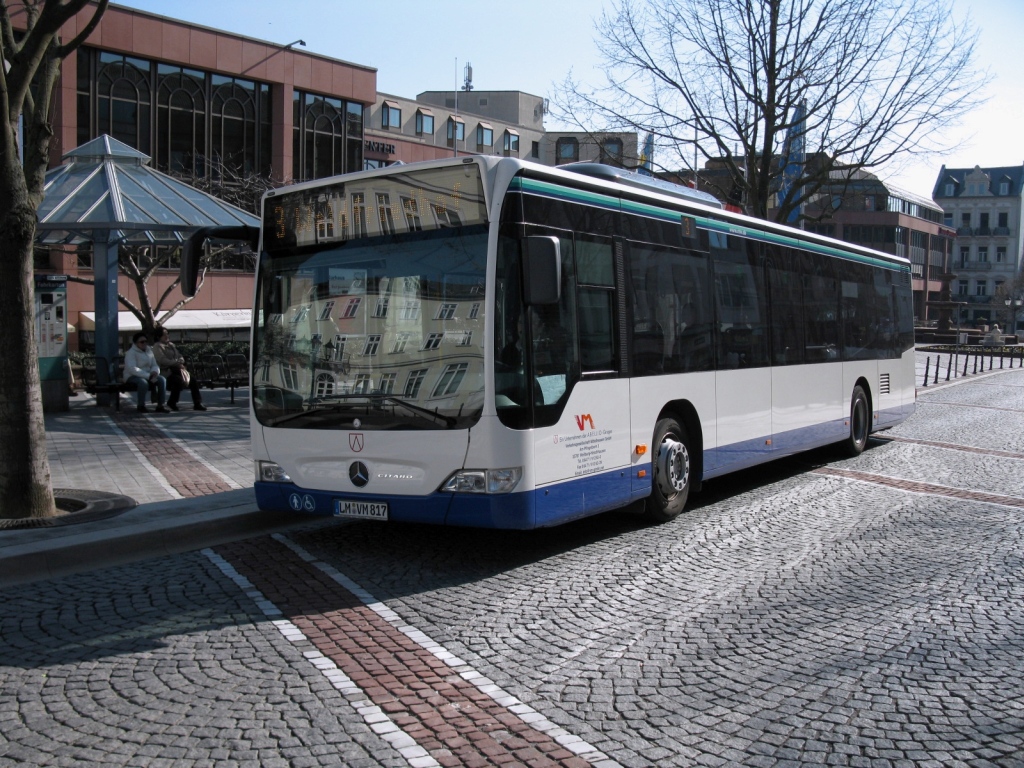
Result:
[{"x": 468, "y": 85}]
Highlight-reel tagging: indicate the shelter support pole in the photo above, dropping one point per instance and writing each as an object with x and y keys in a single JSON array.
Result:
[{"x": 105, "y": 271}]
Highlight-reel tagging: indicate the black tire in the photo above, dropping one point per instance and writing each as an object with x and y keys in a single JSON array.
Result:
[
  {"x": 671, "y": 469},
  {"x": 860, "y": 423}
]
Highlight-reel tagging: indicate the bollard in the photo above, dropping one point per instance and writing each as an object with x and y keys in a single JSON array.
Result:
[
  {"x": 967, "y": 359},
  {"x": 1000, "y": 359},
  {"x": 975, "y": 363},
  {"x": 938, "y": 361},
  {"x": 949, "y": 367},
  {"x": 927, "y": 364}
]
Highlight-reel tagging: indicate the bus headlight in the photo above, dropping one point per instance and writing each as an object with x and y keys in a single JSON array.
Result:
[
  {"x": 484, "y": 480},
  {"x": 269, "y": 472}
]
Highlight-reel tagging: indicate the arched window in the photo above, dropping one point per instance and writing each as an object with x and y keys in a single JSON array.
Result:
[
  {"x": 124, "y": 100},
  {"x": 324, "y": 384},
  {"x": 233, "y": 114},
  {"x": 320, "y": 124},
  {"x": 181, "y": 120}
]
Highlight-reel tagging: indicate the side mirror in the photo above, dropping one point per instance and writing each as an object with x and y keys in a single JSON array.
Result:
[
  {"x": 192, "y": 251},
  {"x": 542, "y": 270}
]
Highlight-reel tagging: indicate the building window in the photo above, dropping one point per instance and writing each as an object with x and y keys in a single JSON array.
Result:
[
  {"x": 410, "y": 310},
  {"x": 446, "y": 312},
  {"x": 301, "y": 313},
  {"x": 401, "y": 339},
  {"x": 949, "y": 190},
  {"x": 965, "y": 255},
  {"x": 352, "y": 307},
  {"x": 474, "y": 311},
  {"x": 484, "y": 136},
  {"x": 414, "y": 382},
  {"x": 456, "y": 130},
  {"x": 510, "y": 144},
  {"x": 982, "y": 288},
  {"x": 450, "y": 380},
  {"x": 325, "y": 313},
  {"x": 387, "y": 383},
  {"x": 339, "y": 347},
  {"x": 961, "y": 287},
  {"x": 424, "y": 122},
  {"x": 390, "y": 115},
  {"x": 324, "y": 384},
  {"x": 385, "y": 214},
  {"x": 1004, "y": 188},
  {"x": 411, "y": 209},
  {"x": 869, "y": 202},
  {"x": 947, "y": 219},
  {"x": 289, "y": 376},
  {"x": 372, "y": 344},
  {"x": 611, "y": 152},
  {"x": 433, "y": 341},
  {"x": 1000, "y": 254},
  {"x": 983, "y": 254},
  {"x": 362, "y": 384},
  {"x": 1003, "y": 220},
  {"x": 381, "y": 310},
  {"x": 965, "y": 219},
  {"x": 535, "y": 149},
  {"x": 567, "y": 150}
]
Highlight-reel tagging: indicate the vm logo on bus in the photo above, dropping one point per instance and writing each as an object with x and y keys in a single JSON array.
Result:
[{"x": 583, "y": 419}]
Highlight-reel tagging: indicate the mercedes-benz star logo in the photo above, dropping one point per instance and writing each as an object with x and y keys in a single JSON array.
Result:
[{"x": 358, "y": 474}]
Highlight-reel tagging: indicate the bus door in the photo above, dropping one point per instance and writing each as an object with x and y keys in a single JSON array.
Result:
[
  {"x": 743, "y": 374},
  {"x": 581, "y": 397}
]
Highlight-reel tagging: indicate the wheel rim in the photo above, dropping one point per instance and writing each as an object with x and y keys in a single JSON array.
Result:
[
  {"x": 673, "y": 466},
  {"x": 860, "y": 421}
]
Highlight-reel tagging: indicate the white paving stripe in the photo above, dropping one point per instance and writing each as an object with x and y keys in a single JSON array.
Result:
[
  {"x": 191, "y": 452},
  {"x": 374, "y": 717},
  {"x": 156, "y": 473},
  {"x": 524, "y": 712}
]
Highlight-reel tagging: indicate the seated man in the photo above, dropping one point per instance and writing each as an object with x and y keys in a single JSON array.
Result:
[{"x": 141, "y": 371}]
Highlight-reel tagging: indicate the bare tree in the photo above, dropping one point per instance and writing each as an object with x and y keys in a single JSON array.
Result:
[
  {"x": 139, "y": 263},
  {"x": 31, "y": 65},
  {"x": 725, "y": 79}
]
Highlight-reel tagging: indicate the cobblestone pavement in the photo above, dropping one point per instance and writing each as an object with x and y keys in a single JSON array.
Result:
[{"x": 817, "y": 611}]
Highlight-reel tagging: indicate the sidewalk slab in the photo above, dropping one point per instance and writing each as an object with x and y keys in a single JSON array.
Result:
[{"x": 148, "y": 530}]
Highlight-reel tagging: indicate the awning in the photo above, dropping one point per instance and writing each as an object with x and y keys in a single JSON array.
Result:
[
  {"x": 425, "y": 111},
  {"x": 182, "y": 320},
  {"x": 392, "y": 104},
  {"x": 486, "y": 125},
  {"x": 512, "y": 131}
]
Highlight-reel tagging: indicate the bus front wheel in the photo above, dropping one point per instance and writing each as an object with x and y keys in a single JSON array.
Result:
[
  {"x": 860, "y": 423},
  {"x": 671, "y": 471}
]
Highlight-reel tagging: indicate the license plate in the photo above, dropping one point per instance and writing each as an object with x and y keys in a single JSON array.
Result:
[{"x": 371, "y": 510}]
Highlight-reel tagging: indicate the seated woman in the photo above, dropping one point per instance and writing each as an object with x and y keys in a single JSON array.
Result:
[
  {"x": 171, "y": 360},
  {"x": 142, "y": 372}
]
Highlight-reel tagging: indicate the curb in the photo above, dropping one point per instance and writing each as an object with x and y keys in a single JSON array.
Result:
[{"x": 147, "y": 531}]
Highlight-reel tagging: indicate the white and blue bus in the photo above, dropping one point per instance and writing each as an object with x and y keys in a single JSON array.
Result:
[{"x": 484, "y": 341}]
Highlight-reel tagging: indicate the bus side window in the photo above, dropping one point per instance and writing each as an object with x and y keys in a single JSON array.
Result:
[
  {"x": 595, "y": 276},
  {"x": 820, "y": 301},
  {"x": 742, "y": 332},
  {"x": 787, "y": 307},
  {"x": 671, "y": 314}
]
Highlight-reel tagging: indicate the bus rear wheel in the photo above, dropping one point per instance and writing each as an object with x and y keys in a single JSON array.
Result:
[
  {"x": 671, "y": 471},
  {"x": 860, "y": 423}
]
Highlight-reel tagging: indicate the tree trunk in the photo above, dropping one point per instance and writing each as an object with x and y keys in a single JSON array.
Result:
[{"x": 24, "y": 467}]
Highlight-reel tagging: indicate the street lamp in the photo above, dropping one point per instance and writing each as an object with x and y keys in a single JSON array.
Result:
[{"x": 1013, "y": 306}]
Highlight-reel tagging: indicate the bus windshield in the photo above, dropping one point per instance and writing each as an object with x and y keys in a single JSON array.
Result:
[{"x": 382, "y": 333}]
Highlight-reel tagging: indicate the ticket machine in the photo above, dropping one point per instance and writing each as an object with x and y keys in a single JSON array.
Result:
[{"x": 52, "y": 340}]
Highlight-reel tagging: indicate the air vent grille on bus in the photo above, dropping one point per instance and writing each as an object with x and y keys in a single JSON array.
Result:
[{"x": 883, "y": 383}]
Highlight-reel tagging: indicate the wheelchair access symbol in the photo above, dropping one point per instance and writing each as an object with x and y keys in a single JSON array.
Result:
[{"x": 299, "y": 502}]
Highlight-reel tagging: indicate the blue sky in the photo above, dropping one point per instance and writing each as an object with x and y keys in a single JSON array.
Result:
[{"x": 531, "y": 45}]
